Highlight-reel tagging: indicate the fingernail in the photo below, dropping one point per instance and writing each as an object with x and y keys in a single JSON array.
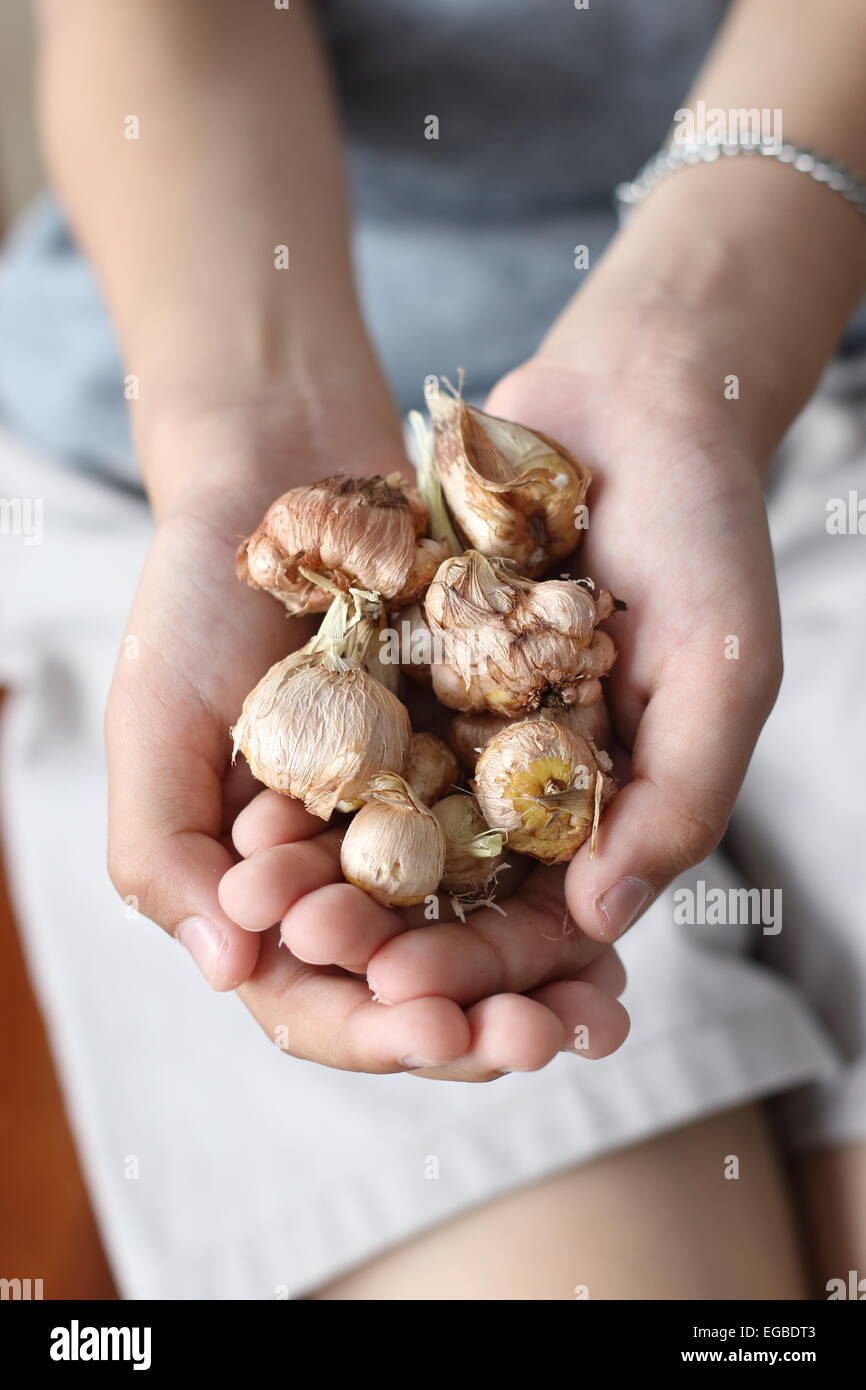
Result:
[
  {"x": 377, "y": 997},
  {"x": 205, "y": 942},
  {"x": 413, "y": 1063},
  {"x": 621, "y": 904}
]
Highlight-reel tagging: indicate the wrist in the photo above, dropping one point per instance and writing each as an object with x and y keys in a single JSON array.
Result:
[
  {"x": 724, "y": 272},
  {"x": 235, "y": 451}
]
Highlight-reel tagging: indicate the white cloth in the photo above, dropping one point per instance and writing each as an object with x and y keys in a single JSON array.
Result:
[{"x": 221, "y": 1169}]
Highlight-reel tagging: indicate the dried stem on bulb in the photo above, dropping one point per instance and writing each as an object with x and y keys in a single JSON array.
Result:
[
  {"x": 431, "y": 769},
  {"x": 511, "y": 491},
  {"x": 511, "y": 644},
  {"x": 367, "y": 533},
  {"x": 320, "y": 724},
  {"x": 394, "y": 848},
  {"x": 351, "y": 633},
  {"x": 545, "y": 787},
  {"x": 470, "y": 733}
]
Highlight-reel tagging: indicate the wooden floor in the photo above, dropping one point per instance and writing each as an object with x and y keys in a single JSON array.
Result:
[{"x": 47, "y": 1229}]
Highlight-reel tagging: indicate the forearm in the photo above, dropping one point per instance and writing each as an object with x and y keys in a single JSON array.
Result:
[
  {"x": 744, "y": 266},
  {"x": 235, "y": 154}
]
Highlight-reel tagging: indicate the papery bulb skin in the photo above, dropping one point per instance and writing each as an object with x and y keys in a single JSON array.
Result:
[
  {"x": 414, "y": 643},
  {"x": 394, "y": 849},
  {"x": 511, "y": 491},
  {"x": 431, "y": 768},
  {"x": 544, "y": 786},
  {"x": 320, "y": 734},
  {"x": 469, "y": 733},
  {"x": 366, "y": 533},
  {"x": 510, "y": 645}
]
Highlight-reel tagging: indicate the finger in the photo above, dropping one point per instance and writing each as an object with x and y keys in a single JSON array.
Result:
[
  {"x": 329, "y": 1018},
  {"x": 593, "y": 1023},
  {"x": 271, "y": 819},
  {"x": 260, "y": 890},
  {"x": 490, "y": 954},
  {"x": 513, "y": 1033},
  {"x": 607, "y": 973},
  {"x": 339, "y": 925},
  {"x": 508, "y": 1033},
  {"x": 691, "y": 752}
]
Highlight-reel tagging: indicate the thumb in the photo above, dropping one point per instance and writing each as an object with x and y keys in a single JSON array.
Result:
[{"x": 691, "y": 753}]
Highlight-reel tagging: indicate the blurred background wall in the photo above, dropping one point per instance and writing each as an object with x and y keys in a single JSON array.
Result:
[{"x": 20, "y": 173}]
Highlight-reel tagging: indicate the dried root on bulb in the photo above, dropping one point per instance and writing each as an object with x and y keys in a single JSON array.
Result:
[
  {"x": 473, "y": 852},
  {"x": 508, "y": 644},
  {"x": 394, "y": 848},
  {"x": 511, "y": 491},
  {"x": 319, "y": 725},
  {"x": 469, "y": 733},
  {"x": 545, "y": 787},
  {"x": 367, "y": 533}
]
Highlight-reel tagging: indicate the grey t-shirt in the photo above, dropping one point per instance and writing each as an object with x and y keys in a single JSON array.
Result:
[{"x": 485, "y": 138}]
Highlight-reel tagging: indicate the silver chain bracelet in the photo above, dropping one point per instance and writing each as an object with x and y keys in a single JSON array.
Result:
[{"x": 672, "y": 157}]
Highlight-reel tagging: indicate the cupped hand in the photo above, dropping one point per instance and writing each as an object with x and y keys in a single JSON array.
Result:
[
  {"x": 196, "y": 641},
  {"x": 359, "y": 987},
  {"x": 678, "y": 530}
]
